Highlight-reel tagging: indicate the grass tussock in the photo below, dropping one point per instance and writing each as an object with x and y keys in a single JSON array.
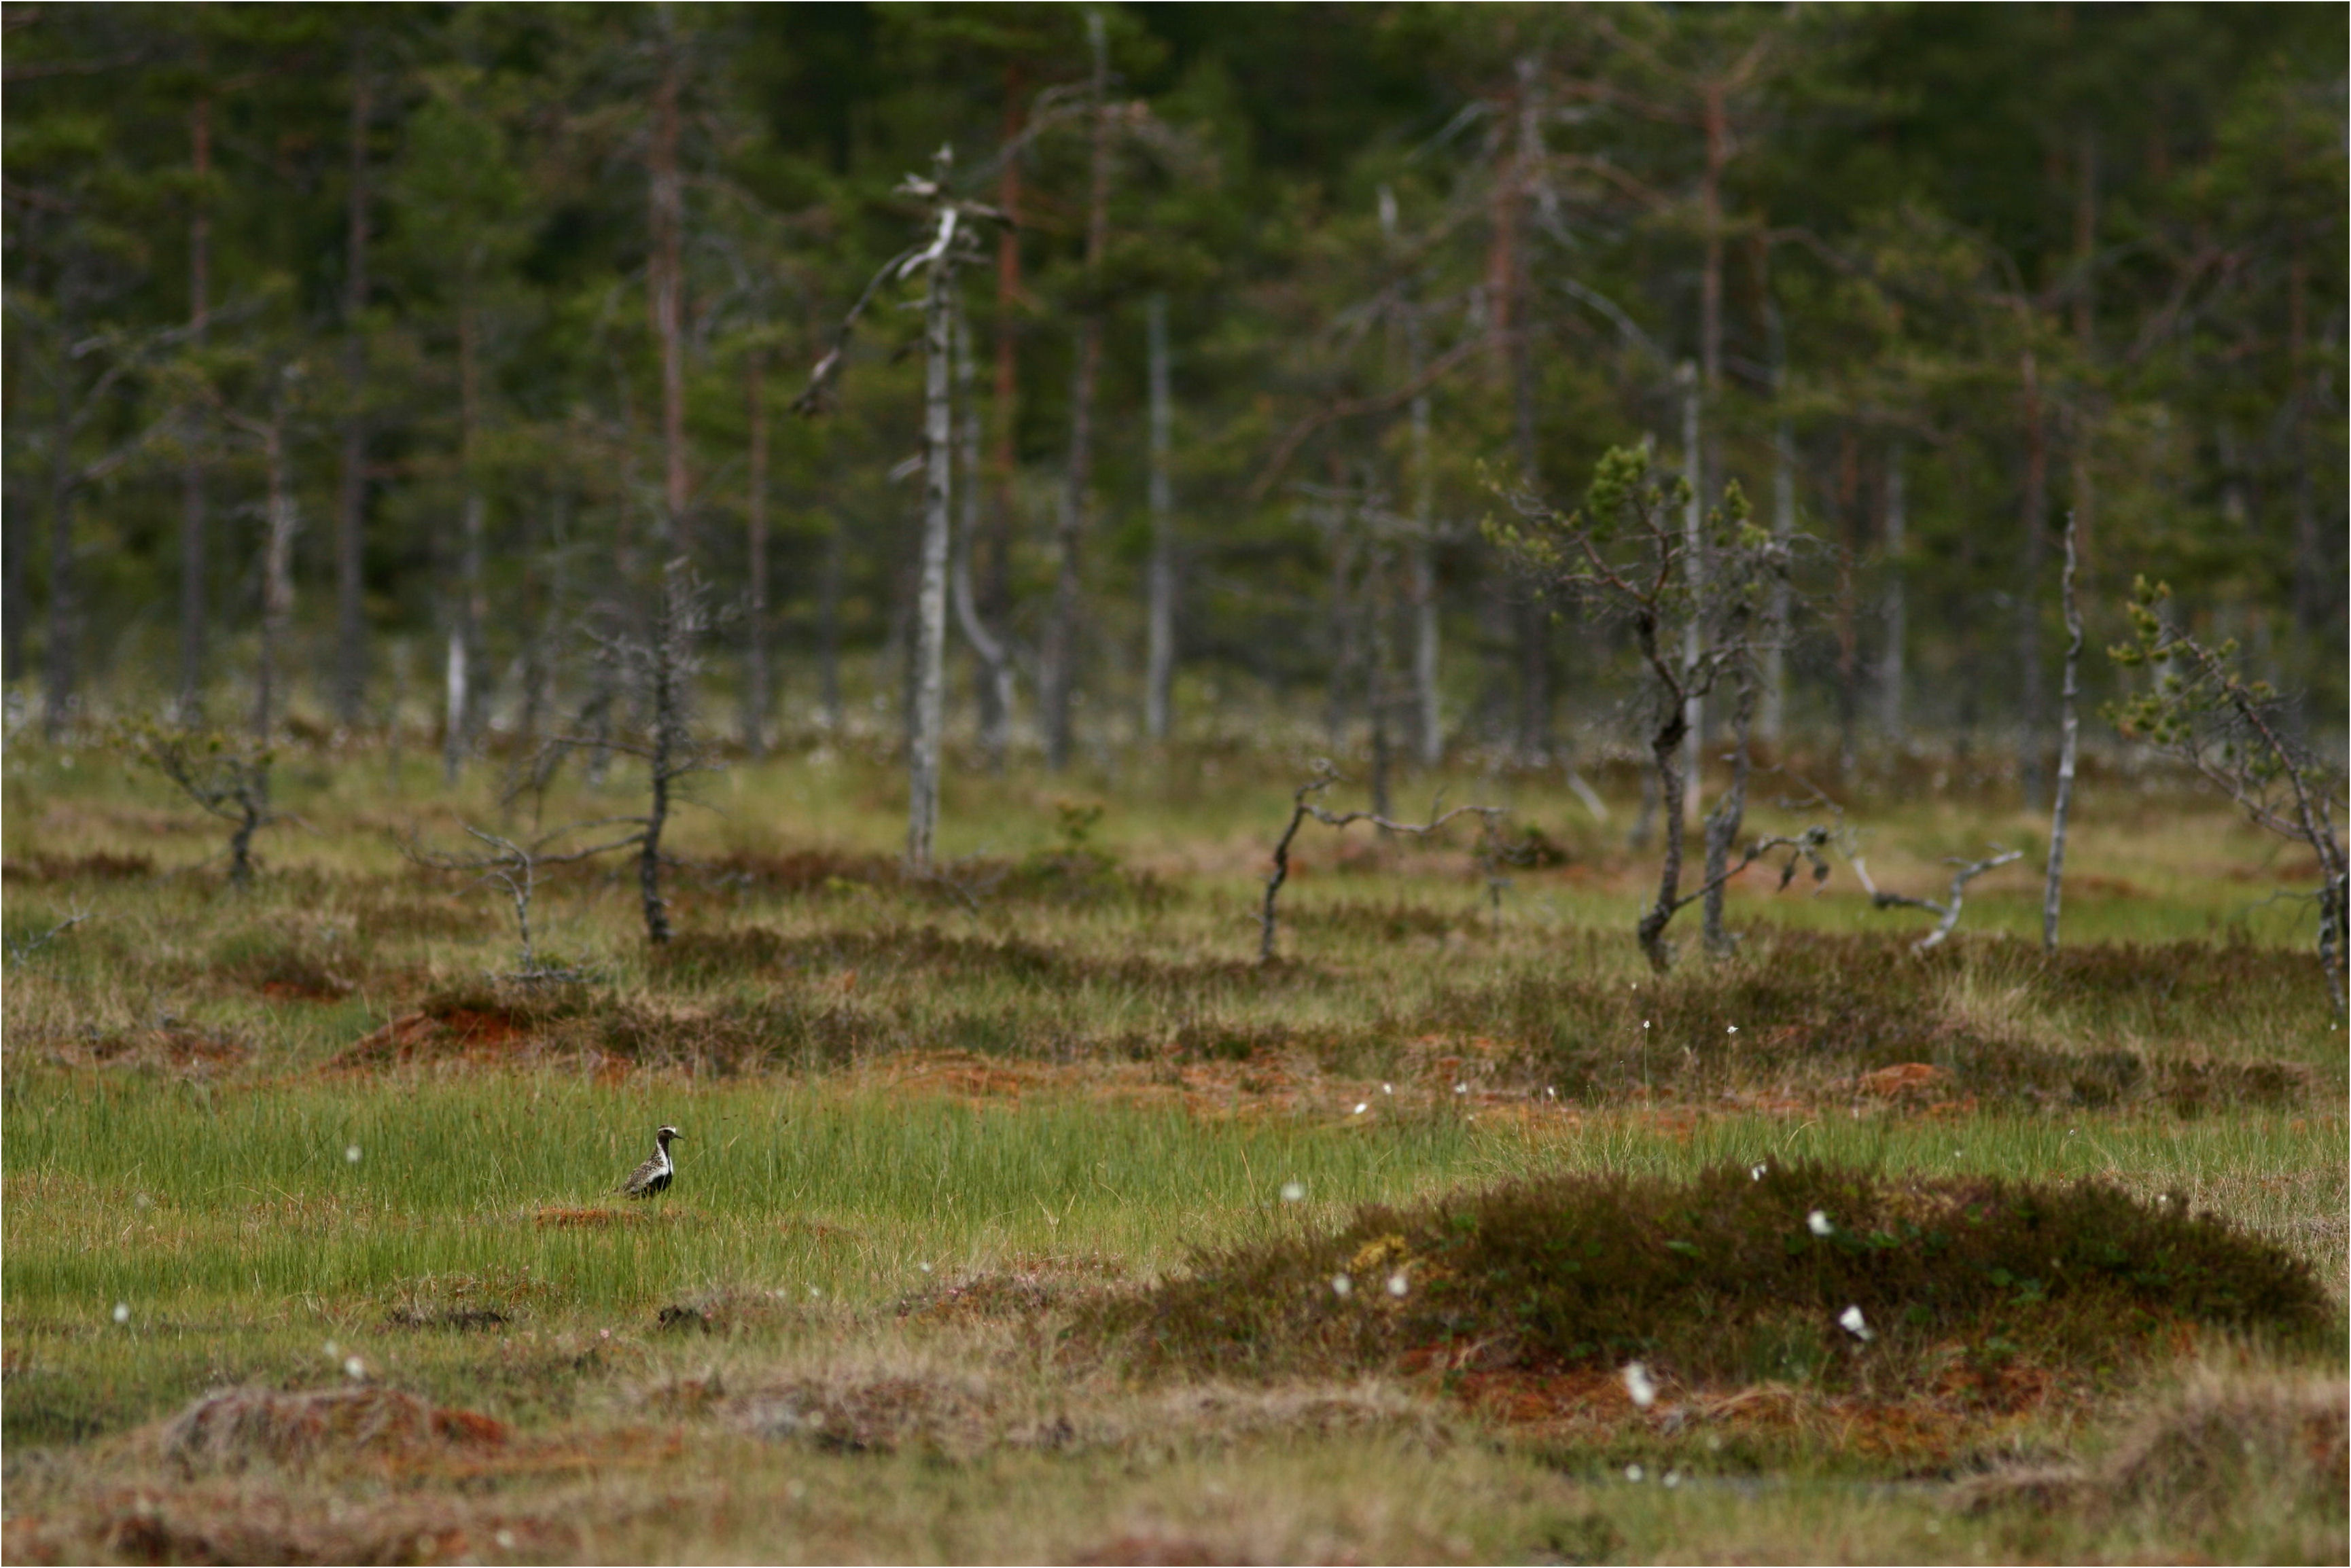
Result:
[
  {"x": 96, "y": 865},
  {"x": 229, "y": 1431},
  {"x": 2241, "y": 1467},
  {"x": 1811, "y": 1273}
]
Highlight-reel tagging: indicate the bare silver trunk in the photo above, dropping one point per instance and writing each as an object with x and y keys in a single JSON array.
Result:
[
  {"x": 1159, "y": 675},
  {"x": 931, "y": 596}
]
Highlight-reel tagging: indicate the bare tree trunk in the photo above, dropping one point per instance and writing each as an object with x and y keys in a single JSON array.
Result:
[
  {"x": 1693, "y": 725},
  {"x": 2310, "y": 575},
  {"x": 828, "y": 627},
  {"x": 1774, "y": 722},
  {"x": 1534, "y": 621},
  {"x": 668, "y": 738},
  {"x": 990, "y": 560},
  {"x": 1077, "y": 501},
  {"x": 758, "y": 695},
  {"x": 1665, "y": 749},
  {"x": 466, "y": 663},
  {"x": 1425, "y": 627},
  {"x": 17, "y": 604},
  {"x": 1159, "y": 673},
  {"x": 665, "y": 278},
  {"x": 1420, "y": 586},
  {"x": 2027, "y": 598},
  {"x": 1718, "y": 154},
  {"x": 1729, "y": 815},
  {"x": 931, "y": 618},
  {"x": 277, "y": 577},
  {"x": 1848, "y": 598},
  {"x": 192, "y": 570},
  {"x": 2069, "y": 738},
  {"x": 1896, "y": 605},
  {"x": 994, "y": 658},
  {"x": 350, "y": 499},
  {"x": 59, "y": 671}
]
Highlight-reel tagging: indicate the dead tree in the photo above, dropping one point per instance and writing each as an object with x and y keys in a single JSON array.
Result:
[
  {"x": 1303, "y": 805},
  {"x": 514, "y": 867},
  {"x": 2236, "y": 734},
  {"x": 227, "y": 778},
  {"x": 2069, "y": 740},
  {"x": 948, "y": 225},
  {"x": 1965, "y": 872},
  {"x": 661, "y": 665},
  {"x": 1627, "y": 555}
]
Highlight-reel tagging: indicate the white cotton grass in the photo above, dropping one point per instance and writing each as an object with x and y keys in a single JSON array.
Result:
[
  {"x": 1851, "y": 1321},
  {"x": 351, "y": 1154},
  {"x": 1638, "y": 1384},
  {"x": 1673, "y": 1479},
  {"x": 1342, "y": 1286},
  {"x": 355, "y": 1369},
  {"x": 122, "y": 1311},
  {"x": 1361, "y": 1107},
  {"x": 333, "y": 1350},
  {"x": 1758, "y": 1172},
  {"x": 1461, "y": 1089},
  {"x": 1399, "y": 1284},
  {"x": 1292, "y": 1191},
  {"x": 1817, "y": 1222},
  {"x": 1732, "y": 1029},
  {"x": 1634, "y": 1473}
]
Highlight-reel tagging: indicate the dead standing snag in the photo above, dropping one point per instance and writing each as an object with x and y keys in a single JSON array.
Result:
[
  {"x": 1966, "y": 872},
  {"x": 1302, "y": 806}
]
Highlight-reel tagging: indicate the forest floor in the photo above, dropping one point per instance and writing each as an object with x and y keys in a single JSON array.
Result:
[{"x": 1021, "y": 1214}]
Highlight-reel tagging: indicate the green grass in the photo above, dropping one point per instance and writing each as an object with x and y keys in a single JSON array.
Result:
[{"x": 1058, "y": 1082}]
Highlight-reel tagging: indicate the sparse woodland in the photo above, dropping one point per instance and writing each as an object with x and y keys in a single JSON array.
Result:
[{"x": 1422, "y": 783}]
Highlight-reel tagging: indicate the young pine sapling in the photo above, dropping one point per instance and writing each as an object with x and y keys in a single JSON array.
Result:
[
  {"x": 227, "y": 778},
  {"x": 1696, "y": 625}
]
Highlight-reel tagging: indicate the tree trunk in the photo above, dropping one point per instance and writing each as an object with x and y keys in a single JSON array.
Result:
[
  {"x": 665, "y": 278},
  {"x": 1534, "y": 621},
  {"x": 1420, "y": 585},
  {"x": 1775, "y": 720},
  {"x": 350, "y": 499},
  {"x": 931, "y": 604},
  {"x": 1425, "y": 625},
  {"x": 1666, "y": 748},
  {"x": 467, "y": 663},
  {"x": 828, "y": 627},
  {"x": 17, "y": 605},
  {"x": 276, "y": 578},
  {"x": 193, "y": 599},
  {"x": 1693, "y": 725},
  {"x": 1896, "y": 608},
  {"x": 1061, "y": 631},
  {"x": 1848, "y": 606},
  {"x": 990, "y": 560},
  {"x": 1159, "y": 673},
  {"x": 757, "y": 698},
  {"x": 993, "y": 657},
  {"x": 58, "y": 671},
  {"x": 2028, "y": 600},
  {"x": 2069, "y": 738},
  {"x": 1729, "y": 816}
]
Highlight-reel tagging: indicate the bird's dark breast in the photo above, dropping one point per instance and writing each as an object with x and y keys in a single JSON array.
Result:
[{"x": 657, "y": 1184}]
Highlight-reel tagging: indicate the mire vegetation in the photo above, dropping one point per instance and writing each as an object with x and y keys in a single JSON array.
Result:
[{"x": 1023, "y": 1213}]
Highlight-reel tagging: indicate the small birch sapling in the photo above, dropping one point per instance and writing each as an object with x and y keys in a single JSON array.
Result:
[{"x": 2236, "y": 734}]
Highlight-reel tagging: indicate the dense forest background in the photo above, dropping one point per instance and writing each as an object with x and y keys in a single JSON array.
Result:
[{"x": 397, "y": 344}]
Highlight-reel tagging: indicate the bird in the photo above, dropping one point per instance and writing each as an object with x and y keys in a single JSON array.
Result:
[{"x": 653, "y": 1176}]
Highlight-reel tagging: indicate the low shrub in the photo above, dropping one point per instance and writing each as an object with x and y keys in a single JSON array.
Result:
[{"x": 1738, "y": 1275}]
